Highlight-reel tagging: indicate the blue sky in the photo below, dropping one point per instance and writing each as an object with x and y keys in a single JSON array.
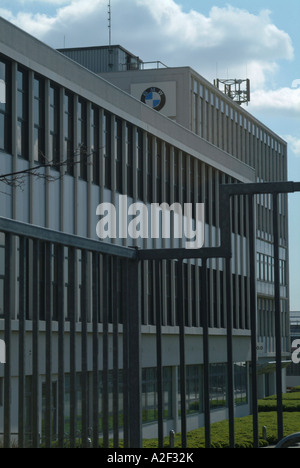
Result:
[{"x": 258, "y": 39}]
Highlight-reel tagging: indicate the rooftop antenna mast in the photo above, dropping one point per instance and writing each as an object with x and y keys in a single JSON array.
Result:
[
  {"x": 109, "y": 23},
  {"x": 110, "y": 51}
]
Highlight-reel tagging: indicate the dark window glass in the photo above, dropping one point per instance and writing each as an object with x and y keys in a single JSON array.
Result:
[
  {"x": 95, "y": 145},
  {"x": 5, "y": 107},
  {"x": 168, "y": 175},
  {"x": 82, "y": 138},
  {"x": 39, "y": 120},
  {"x": 54, "y": 126},
  {"x": 118, "y": 136},
  {"x": 140, "y": 163},
  {"x": 158, "y": 173},
  {"x": 69, "y": 133},
  {"x": 129, "y": 160},
  {"x": 22, "y": 112},
  {"x": 149, "y": 170},
  {"x": 107, "y": 148}
]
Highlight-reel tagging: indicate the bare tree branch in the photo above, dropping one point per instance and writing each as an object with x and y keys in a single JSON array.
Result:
[{"x": 17, "y": 179}]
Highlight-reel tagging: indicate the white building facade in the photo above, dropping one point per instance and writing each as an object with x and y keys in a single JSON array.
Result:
[{"x": 95, "y": 138}]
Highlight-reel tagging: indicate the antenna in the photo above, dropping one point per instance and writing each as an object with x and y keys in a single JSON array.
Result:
[
  {"x": 237, "y": 90},
  {"x": 110, "y": 51},
  {"x": 109, "y": 23}
]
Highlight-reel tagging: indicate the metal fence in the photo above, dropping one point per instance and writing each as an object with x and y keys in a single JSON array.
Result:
[{"x": 73, "y": 305}]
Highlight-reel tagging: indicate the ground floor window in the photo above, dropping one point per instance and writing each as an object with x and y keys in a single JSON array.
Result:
[
  {"x": 240, "y": 383},
  {"x": 150, "y": 396},
  {"x": 194, "y": 390},
  {"x": 218, "y": 386}
]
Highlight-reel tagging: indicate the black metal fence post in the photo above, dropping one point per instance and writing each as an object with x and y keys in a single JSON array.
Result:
[
  {"x": 181, "y": 321},
  {"x": 230, "y": 353},
  {"x": 135, "y": 370},
  {"x": 253, "y": 312},
  {"x": 22, "y": 299},
  {"x": 48, "y": 318},
  {"x": 206, "y": 374},
  {"x": 95, "y": 320},
  {"x": 35, "y": 345},
  {"x": 158, "y": 307},
  {"x": 7, "y": 338},
  {"x": 277, "y": 317}
]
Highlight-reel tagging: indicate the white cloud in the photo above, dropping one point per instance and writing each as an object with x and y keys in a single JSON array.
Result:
[
  {"x": 230, "y": 41},
  {"x": 283, "y": 101},
  {"x": 294, "y": 144},
  {"x": 47, "y": 2}
]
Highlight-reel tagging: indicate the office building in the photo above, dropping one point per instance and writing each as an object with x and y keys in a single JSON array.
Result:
[{"x": 110, "y": 126}]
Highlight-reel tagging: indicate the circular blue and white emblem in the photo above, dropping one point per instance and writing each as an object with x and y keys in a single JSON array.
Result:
[{"x": 154, "y": 98}]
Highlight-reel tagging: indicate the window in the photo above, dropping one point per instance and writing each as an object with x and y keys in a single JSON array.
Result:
[
  {"x": 39, "y": 120},
  {"x": 95, "y": 145},
  {"x": 158, "y": 172},
  {"x": 1, "y": 391},
  {"x": 2, "y": 272},
  {"x": 54, "y": 127},
  {"x": 149, "y": 169},
  {"x": 140, "y": 163},
  {"x": 69, "y": 133},
  {"x": 107, "y": 148},
  {"x": 22, "y": 112},
  {"x": 168, "y": 175},
  {"x": 218, "y": 386},
  {"x": 82, "y": 138},
  {"x": 119, "y": 154},
  {"x": 194, "y": 397},
  {"x": 114, "y": 387},
  {"x": 129, "y": 160},
  {"x": 5, "y": 107},
  {"x": 150, "y": 397},
  {"x": 240, "y": 383},
  {"x": 176, "y": 176},
  {"x": 183, "y": 175}
]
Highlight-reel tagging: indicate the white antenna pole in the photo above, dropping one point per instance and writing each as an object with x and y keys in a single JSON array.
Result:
[{"x": 109, "y": 23}]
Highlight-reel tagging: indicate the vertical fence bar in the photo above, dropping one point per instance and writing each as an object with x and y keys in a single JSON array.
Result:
[
  {"x": 230, "y": 364},
  {"x": 7, "y": 339},
  {"x": 158, "y": 307},
  {"x": 61, "y": 325},
  {"x": 135, "y": 373},
  {"x": 114, "y": 279},
  {"x": 48, "y": 318},
  {"x": 126, "y": 337},
  {"x": 72, "y": 300},
  {"x": 84, "y": 373},
  {"x": 205, "y": 321},
  {"x": 22, "y": 295},
  {"x": 253, "y": 313},
  {"x": 181, "y": 321},
  {"x": 96, "y": 303},
  {"x": 35, "y": 344},
  {"x": 105, "y": 399},
  {"x": 277, "y": 317}
]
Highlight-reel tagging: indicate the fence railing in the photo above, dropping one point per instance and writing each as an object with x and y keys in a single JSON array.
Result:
[{"x": 72, "y": 309}]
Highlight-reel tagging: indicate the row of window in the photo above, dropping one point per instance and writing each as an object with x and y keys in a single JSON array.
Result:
[
  {"x": 221, "y": 124},
  {"x": 118, "y": 140},
  {"x": 266, "y": 318},
  {"x": 61, "y": 277},
  {"x": 122, "y": 157},
  {"x": 265, "y": 269},
  {"x": 194, "y": 395}
]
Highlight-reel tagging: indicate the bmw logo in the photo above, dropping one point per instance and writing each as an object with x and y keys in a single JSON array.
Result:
[{"x": 154, "y": 98}]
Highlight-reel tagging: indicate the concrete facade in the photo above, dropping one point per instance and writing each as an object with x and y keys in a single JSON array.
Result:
[{"x": 149, "y": 157}]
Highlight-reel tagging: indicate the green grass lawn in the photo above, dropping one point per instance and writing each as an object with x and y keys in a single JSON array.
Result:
[
  {"x": 243, "y": 432},
  {"x": 243, "y": 426}
]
